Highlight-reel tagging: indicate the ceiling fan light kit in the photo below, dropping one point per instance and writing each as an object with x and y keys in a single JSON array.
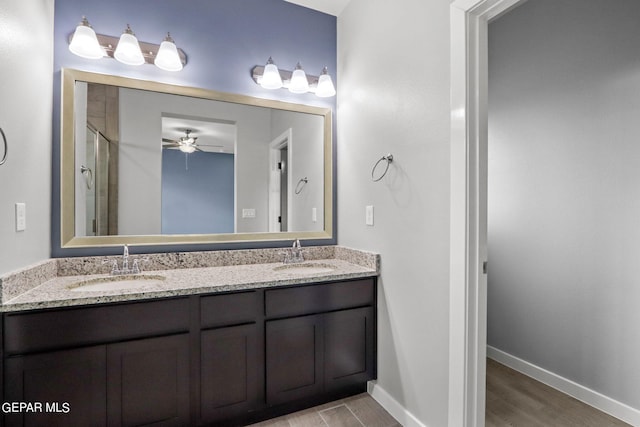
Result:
[{"x": 187, "y": 144}]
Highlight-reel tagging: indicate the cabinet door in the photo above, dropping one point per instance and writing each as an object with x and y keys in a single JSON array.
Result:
[
  {"x": 349, "y": 347},
  {"x": 294, "y": 358},
  {"x": 149, "y": 382},
  {"x": 228, "y": 372},
  {"x": 70, "y": 386}
]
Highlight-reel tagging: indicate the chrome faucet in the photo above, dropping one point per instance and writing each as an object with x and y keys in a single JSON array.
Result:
[
  {"x": 117, "y": 270},
  {"x": 295, "y": 254},
  {"x": 125, "y": 258}
]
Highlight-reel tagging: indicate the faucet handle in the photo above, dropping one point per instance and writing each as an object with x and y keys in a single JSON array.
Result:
[
  {"x": 287, "y": 256},
  {"x": 135, "y": 269},
  {"x": 114, "y": 264}
]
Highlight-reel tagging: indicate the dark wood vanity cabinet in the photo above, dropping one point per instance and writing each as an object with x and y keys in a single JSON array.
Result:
[
  {"x": 219, "y": 359},
  {"x": 309, "y": 355},
  {"x": 74, "y": 381},
  {"x": 325, "y": 345},
  {"x": 123, "y": 381},
  {"x": 228, "y": 373},
  {"x": 147, "y": 385},
  {"x": 230, "y": 357},
  {"x": 294, "y": 350},
  {"x": 148, "y": 382},
  {"x": 349, "y": 342}
]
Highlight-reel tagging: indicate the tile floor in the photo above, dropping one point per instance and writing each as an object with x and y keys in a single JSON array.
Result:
[{"x": 355, "y": 411}]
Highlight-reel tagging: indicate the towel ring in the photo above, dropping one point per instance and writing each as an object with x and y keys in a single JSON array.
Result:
[
  {"x": 88, "y": 180},
  {"x": 389, "y": 159},
  {"x": 6, "y": 147},
  {"x": 299, "y": 187}
]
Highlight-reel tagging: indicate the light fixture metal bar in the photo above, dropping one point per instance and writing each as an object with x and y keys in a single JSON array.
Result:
[
  {"x": 149, "y": 50},
  {"x": 285, "y": 75}
]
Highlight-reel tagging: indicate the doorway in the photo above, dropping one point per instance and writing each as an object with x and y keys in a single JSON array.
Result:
[
  {"x": 280, "y": 182},
  {"x": 469, "y": 44},
  {"x": 468, "y": 226}
]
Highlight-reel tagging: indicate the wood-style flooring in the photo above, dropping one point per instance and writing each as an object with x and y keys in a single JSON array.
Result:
[
  {"x": 356, "y": 411},
  {"x": 514, "y": 399}
]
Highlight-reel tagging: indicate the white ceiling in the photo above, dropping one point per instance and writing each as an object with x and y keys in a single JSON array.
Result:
[{"x": 332, "y": 7}]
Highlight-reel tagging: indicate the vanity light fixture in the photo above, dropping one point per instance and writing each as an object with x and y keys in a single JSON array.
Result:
[
  {"x": 84, "y": 42},
  {"x": 325, "y": 85},
  {"x": 126, "y": 49},
  {"x": 297, "y": 81},
  {"x": 271, "y": 78},
  {"x": 168, "y": 58}
]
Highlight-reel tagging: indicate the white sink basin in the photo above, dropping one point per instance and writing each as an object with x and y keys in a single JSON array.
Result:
[
  {"x": 306, "y": 268},
  {"x": 116, "y": 283}
]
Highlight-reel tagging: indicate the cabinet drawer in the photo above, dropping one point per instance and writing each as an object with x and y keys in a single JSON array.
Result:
[
  {"x": 319, "y": 298},
  {"x": 53, "y": 329},
  {"x": 228, "y": 309}
]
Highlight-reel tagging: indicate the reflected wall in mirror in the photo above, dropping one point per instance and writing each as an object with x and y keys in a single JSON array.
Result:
[{"x": 150, "y": 163}]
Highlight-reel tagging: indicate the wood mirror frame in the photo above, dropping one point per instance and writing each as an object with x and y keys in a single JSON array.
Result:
[{"x": 67, "y": 167}]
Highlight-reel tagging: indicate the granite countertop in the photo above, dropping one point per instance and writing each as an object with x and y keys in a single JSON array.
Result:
[{"x": 43, "y": 286}]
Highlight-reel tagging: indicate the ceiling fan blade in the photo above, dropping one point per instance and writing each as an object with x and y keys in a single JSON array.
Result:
[
  {"x": 210, "y": 145},
  {"x": 169, "y": 140}
]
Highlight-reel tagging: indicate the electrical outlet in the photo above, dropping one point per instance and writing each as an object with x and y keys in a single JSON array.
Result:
[
  {"x": 368, "y": 219},
  {"x": 21, "y": 216},
  {"x": 314, "y": 214}
]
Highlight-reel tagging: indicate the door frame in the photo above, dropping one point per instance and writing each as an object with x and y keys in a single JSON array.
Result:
[
  {"x": 284, "y": 139},
  {"x": 468, "y": 227}
]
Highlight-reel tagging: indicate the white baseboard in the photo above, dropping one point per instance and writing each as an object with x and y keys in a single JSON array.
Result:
[
  {"x": 392, "y": 406},
  {"x": 591, "y": 397}
]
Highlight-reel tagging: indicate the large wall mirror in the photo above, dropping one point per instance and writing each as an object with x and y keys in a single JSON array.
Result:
[{"x": 150, "y": 163}]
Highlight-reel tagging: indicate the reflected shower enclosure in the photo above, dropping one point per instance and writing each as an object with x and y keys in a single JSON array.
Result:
[{"x": 94, "y": 173}]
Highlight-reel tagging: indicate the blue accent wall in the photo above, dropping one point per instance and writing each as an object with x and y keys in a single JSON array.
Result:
[
  {"x": 197, "y": 192},
  {"x": 223, "y": 41}
]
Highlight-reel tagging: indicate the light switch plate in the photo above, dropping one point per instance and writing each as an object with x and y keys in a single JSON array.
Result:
[
  {"x": 368, "y": 220},
  {"x": 248, "y": 213},
  {"x": 21, "y": 216},
  {"x": 314, "y": 214}
]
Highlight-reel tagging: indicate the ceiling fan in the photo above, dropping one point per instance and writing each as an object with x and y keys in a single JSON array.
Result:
[{"x": 186, "y": 144}]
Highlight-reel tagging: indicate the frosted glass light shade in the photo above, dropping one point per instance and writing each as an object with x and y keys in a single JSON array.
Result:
[
  {"x": 187, "y": 148},
  {"x": 299, "y": 82},
  {"x": 128, "y": 50},
  {"x": 271, "y": 77},
  {"x": 84, "y": 42},
  {"x": 325, "y": 85},
  {"x": 168, "y": 58}
]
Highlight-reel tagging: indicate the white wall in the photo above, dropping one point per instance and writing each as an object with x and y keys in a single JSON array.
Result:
[
  {"x": 26, "y": 49},
  {"x": 393, "y": 68},
  {"x": 564, "y": 193}
]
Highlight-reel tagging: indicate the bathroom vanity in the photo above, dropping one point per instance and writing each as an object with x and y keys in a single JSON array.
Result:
[{"x": 210, "y": 346}]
